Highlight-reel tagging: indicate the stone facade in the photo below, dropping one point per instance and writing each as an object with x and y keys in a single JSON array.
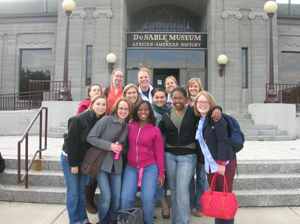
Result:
[{"x": 230, "y": 25}]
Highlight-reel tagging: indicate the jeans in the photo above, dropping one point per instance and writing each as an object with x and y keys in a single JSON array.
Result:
[
  {"x": 159, "y": 193},
  {"x": 75, "y": 192},
  {"x": 180, "y": 170},
  {"x": 148, "y": 188},
  {"x": 229, "y": 174},
  {"x": 110, "y": 188},
  {"x": 91, "y": 181},
  {"x": 201, "y": 185}
]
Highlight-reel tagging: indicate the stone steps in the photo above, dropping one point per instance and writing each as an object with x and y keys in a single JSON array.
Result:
[
  {"x": 254, "y": 132},
  {"x": 259, "y": 183}
]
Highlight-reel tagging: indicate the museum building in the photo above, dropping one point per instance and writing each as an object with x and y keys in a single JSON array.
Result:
[{"x": 182, "y": 38}]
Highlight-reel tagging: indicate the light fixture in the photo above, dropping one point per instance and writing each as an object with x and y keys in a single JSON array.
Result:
[
  {"x": 111, "y": 59},
  {"x": 65, "y": 95},
  {"x": 270, "y": 8},
  {"x": 222, "y": 60}
]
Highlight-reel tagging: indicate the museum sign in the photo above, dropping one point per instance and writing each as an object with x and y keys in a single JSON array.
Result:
[{"x": 167, "y": 40}]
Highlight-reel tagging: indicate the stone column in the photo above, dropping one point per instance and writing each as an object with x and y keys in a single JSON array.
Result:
[
  {"x": 232, "y": 73},
  {"x": 101, "y": 48},
  {"x": 259, "y": 75}
]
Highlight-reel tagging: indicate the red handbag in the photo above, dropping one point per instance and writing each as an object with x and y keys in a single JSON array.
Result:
[{"x": 221, "y": 205}]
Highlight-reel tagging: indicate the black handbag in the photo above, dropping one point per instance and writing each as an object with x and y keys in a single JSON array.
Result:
[{"x": 133, "y": 216}]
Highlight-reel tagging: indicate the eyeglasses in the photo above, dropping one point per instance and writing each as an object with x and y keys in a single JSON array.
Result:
[
  {"x": 119, "y": 77},
  {"x": 202, "y": 102},
  {"x": 123, "y": 109},
  {"x": 175, "y": 99}
]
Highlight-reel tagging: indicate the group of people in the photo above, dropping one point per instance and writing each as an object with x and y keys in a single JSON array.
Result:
[{"x": 165, "y": 133}]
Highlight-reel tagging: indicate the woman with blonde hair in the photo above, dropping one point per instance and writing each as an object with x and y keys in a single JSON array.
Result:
[
  {"x": 132, "y": 93},
  {"x": 213, "y": 139},
  {"x": 194, "y": 86},
  {"x": 170, "y": 84},
  {"x": 74, "y": 149},
  {"x": 115, "y": 90},
  {"x": 145, "y": 87}
]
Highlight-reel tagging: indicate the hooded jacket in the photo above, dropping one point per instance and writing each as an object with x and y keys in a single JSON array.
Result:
[{"x": 145, "y": 147}]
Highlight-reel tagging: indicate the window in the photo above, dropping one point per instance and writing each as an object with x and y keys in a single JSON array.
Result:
[
  {"x": 288, "y": 7},
  {"x": 244, "y": 68},
  {"x": 89, "y": 54},
  {"x": 290, "y": 68},
  {"x": 165, "y": 19},
  {"x": 35, "y": 65}
]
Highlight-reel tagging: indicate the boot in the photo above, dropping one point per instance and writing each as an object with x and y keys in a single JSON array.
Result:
[{"x": 89, "y": 199}]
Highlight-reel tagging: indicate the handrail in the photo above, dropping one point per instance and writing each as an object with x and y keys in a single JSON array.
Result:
[
  {"x": 287, "y": 93},
  {"x": 25, "y": 136}
]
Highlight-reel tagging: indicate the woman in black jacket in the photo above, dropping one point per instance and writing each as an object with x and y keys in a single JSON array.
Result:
[
  {"x": 74, "y": 149},
  {"x": 179, "y": 124},
  {"x": 213, "y": 139}
]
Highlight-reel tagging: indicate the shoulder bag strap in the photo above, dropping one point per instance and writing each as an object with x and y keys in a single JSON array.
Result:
[{"x": 120, "y": 133}]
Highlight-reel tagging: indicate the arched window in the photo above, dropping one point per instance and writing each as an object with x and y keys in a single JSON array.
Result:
[{"x": 165, "y": 18}]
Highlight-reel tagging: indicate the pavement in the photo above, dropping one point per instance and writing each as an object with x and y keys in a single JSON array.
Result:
[{"x": 25, "y": 213}]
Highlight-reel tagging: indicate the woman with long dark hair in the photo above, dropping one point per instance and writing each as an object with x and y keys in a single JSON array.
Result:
[{"x": 145, "y": 167}]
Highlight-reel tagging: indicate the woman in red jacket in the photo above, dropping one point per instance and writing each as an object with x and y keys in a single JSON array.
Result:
[
  {"x": 145, "y": 167},
  {"x": 93, "y": 90}
]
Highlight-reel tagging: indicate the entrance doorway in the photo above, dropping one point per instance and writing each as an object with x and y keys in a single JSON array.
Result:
[{"x": 160, "y": 75}]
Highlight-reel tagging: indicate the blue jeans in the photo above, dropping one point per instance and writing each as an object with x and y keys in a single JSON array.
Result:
[
  {"x": 110, "y": 188},
  {"x": 159, "y": 193},
  {"x": 75, "y": 192},
  {"x": 180, "y": 170},
  {"x": 91, "y": 181},
  {"x": 148, "y": 188},
  {"x": 201, "y": 185}
]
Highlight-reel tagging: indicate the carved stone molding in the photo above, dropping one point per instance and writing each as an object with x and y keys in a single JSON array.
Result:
[
  {"x": 291, "y": 43},
  {"x": 258, "y": 13},
  {"x": 231, "y": 12},
  {"x": 79, "y": 11},
  {"x": 104, "y": 10},
  {"x": 33, "y": 40}
]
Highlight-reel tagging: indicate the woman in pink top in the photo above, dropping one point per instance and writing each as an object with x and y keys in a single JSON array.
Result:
[{"x": 145, "y": 167}]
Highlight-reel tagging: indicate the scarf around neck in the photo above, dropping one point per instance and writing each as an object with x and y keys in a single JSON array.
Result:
[{"x": 160, "y": 110}]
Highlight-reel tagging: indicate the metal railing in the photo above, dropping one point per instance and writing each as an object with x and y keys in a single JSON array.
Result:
[
  {"x": 287, "y": 93},
  {"x": 39, "y": 90},
  {"x": 25, "y": 136}
]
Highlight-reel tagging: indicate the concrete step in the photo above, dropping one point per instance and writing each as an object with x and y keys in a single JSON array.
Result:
[
  {"x": 259, "y": 127},
  {"x": 38, "y": 164},
  {"x": 59, "y": 129},
  {"x": 241, "y": 116},
  {"x": 36, "y": 178},
  {"x": 245, "y": 122},
  {"x": 271, "y": 138},
  {"x": 268, "y": 167},
  {"x": 264, "y": 132},
  {"x": 268, "y": 197},
  {"x": 266, "y": 181},
  {"x": 55, "y": 134}
]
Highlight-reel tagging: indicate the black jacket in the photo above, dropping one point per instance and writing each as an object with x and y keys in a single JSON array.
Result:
[
  {"x": 76, "y": 144},
  {"x": 216, "y": 138},
  {"x": 185, "y": 135},
  {"x": 2, "y": 164}
]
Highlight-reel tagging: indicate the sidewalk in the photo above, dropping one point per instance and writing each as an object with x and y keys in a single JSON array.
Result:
[{"x": 27, "y": 213}]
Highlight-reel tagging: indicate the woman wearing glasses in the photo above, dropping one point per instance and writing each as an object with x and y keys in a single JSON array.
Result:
[
  {"x": 218, "y": 155},
  {"x": 179, "y": 124},
  {"x": 109, "y": 177},
  {"x": 115, "y": 90}
]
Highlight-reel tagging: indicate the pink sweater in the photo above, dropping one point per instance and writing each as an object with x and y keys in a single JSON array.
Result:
[{"x": 146, "y": 147}]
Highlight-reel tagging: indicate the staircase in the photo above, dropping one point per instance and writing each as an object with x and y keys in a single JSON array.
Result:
[
  {"x": 58, "y": 132},
  {"x": 261, "y": 132},
  {"x": 259, "y": 183}
]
